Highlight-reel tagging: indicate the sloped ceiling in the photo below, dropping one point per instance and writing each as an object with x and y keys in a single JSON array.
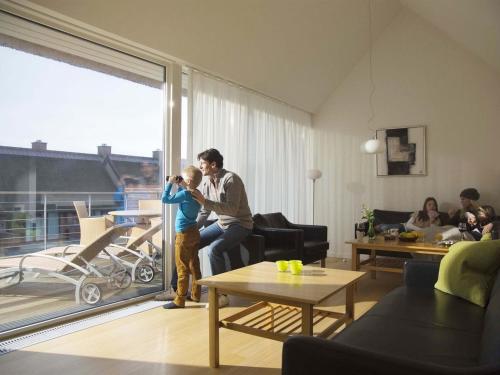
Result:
[
  {"x": 295, "y": 50},
  {"x": 473, "y": 24}
]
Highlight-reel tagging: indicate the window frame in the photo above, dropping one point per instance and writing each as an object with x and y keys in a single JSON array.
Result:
[{"x": 171, "y": 124}]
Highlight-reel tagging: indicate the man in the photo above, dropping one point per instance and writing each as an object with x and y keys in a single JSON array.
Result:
[
  {"x": 149, "y": 175},
  {"x": 468, "y": 201},
  {"x": 224, "y": 193}
]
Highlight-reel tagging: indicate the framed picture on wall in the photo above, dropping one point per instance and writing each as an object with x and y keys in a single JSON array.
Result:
[{"x": 405, "y": 152}]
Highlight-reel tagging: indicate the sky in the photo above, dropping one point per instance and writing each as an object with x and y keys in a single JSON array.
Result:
[{"x": 75, "y": 109}]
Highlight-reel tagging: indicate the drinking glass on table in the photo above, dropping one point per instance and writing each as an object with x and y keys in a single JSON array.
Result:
[{"x": 420, "y": 236}]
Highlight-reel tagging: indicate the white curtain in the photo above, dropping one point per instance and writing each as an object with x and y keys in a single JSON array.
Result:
[{"x": 268, "y": 144}]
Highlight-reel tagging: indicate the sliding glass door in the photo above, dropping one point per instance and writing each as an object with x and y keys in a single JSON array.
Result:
[{"x": 81, "y": 171}]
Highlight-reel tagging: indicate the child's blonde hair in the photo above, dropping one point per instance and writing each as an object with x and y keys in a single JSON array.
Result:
[
  {"x": 487, "y": 211},
  {"x": 194, "y": 174}
]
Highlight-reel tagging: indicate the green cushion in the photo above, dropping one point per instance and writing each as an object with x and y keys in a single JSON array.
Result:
[
  {"x": 469, "y": 269},
  {"x": 486, "y": 237}
]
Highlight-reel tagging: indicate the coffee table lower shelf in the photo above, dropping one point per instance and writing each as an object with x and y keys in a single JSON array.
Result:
[{"x": 278, "y": 322}]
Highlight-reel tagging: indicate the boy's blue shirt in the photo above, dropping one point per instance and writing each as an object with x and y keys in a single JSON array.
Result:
[{"x": 188, "y": 207}]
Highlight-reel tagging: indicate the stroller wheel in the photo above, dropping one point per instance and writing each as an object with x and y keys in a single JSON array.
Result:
[
  {"x": 122, "y": 280},
  {"x": 145, "y": 273},
  {"x": 91, "y": 293}
]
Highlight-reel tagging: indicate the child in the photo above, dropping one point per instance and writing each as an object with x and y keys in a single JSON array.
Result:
[
  {"x": 187, "y": 237},
  {"x": 480, "y": 226}
]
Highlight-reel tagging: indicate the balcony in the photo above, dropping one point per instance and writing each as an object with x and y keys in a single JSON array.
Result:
[{"x": 32, "y": 222}]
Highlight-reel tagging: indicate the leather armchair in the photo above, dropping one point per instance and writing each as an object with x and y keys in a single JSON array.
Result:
[
  {"x": 255, "y": 245},
  {"x": 285, "y": 240}
]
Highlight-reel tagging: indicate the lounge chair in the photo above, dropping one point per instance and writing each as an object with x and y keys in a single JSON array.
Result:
[
  {"x": 74, "y": 268},
  {"x": 146, "y": 264},
  {"x": 140, "y": 254},
  {"x": 90, "y": 227}
]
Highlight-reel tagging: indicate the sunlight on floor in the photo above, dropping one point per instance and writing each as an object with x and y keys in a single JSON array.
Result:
[{"x": 158, "y": 341}]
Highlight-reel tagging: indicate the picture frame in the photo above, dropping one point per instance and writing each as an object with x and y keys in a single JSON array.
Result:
[{"x": 405, "y": 151}]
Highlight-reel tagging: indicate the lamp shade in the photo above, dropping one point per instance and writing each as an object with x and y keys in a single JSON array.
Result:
[
  {"x": 373, "y": 146},
  {"x": 314, "y": 174}
]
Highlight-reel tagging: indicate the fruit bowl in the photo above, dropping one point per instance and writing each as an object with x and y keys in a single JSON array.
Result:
[{"x": 408, "y": 237}]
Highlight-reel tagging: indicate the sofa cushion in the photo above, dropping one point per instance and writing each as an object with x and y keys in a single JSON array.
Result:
[
  {"x": 259, "y": 220},
  {"x": 469, "y": 269},
  {"x": 436, "y": 345},
  {"x": 274, "y": 220},
  {"x": 420, "y": 324},
  {"x": 391, "y": 217},
  {"x": 431, "y": 307},
  {"x": 397, "y": 217},
  {"x": 274, "y": 254}
]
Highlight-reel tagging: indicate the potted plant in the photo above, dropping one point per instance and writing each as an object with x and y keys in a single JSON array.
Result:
[{"x": 370, "y": 217}]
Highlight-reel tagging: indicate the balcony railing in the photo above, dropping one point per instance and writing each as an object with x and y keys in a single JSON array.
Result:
[{"x": 32, "y": 221}]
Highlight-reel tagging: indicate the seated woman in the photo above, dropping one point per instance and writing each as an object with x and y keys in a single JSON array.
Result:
[
  {"x": 424, "y": 220},
  {"x": 426, "y": 217}
]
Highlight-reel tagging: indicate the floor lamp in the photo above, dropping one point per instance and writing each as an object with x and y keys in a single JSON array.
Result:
[{"x": 313, "y": 174}]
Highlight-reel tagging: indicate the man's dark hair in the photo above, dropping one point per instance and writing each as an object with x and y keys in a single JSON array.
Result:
[
  {"x": 212, "y": 155},
  {"x": 470, "y": 193}
]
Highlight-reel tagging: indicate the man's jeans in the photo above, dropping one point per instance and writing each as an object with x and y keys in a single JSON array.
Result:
[{"x": 219, "y": 241}]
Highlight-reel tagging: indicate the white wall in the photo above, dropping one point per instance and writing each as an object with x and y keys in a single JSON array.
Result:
[{"x": 422, "y": 77}]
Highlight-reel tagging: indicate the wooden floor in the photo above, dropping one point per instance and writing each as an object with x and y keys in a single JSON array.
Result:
[{"x": 171, "y": 342}]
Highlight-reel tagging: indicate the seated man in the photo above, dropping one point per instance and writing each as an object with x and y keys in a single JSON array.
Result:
[
  {"x": 468, "y": 201},
  {"x": 224, "y": 193}
]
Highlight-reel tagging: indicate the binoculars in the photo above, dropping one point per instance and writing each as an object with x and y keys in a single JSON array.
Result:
[{"x": 177, "y": 179}]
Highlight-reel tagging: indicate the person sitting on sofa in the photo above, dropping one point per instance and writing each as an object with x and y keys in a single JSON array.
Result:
[
  {"x": 426, "y": 217},
  {"x": 481, "y": 225},
  {"x": 468, "y": 200}
]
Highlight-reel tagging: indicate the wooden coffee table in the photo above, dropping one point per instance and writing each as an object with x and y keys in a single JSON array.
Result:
[
  {"x": 395, "y": 246},
  {"x": 287, "y": 302}
]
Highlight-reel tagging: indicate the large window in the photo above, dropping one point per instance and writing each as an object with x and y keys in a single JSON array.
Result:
[{"x": 81, "y": 142}]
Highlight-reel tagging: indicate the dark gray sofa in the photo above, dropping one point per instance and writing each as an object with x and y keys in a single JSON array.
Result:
[{"x": 414, "y": 329}]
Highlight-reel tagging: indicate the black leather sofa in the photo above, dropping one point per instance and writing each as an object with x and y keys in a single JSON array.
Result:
[
  {"x": 414, "y": 329},
  {"x": 285, "y": 240}
]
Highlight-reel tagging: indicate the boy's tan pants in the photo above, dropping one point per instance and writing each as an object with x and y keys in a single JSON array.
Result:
[{"x": 187, "y": 262}]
